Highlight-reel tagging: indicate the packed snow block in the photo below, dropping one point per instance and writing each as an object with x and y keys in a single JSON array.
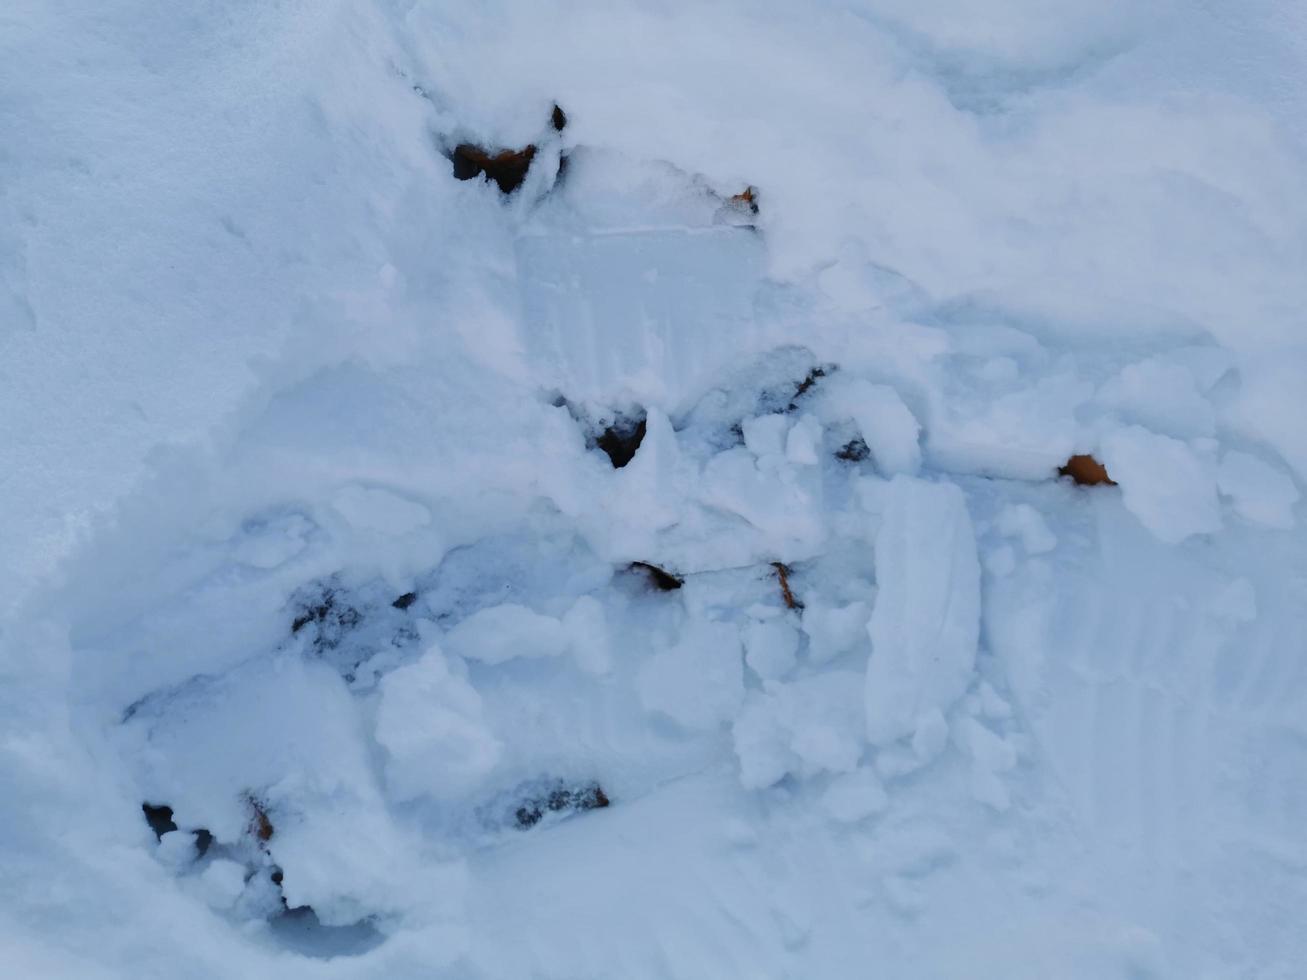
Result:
[
  {"x": 855, "y": 796},
  {"x": 1021, "y": 431},
  {"x": 1023, "y": 522},
  {"x": 375, "y": 510},
  {"x": 1162, "y": 395},
  {"x": 778, "y": 497},
  {"x": 588, "y": 635},
  {"x": 654, "y": 317},
  {"x": 1258, "y": 491},
  {"x": 925, "y": 624},
  {"x": 803, "y": 441},
  {"x": 1165, "y": 484},
  {"x": 178, "y": 849},
  {"x": 504, "y": 632},
  {"x": 770, "y": 647},
  {"x": 222, "y": 883},
  {"x": 765, "y": 435},
  {"x": 810, "y": 726},
  {"x": 699, "y": 681},
  {"x": 991, "y": 756},
  {"x": 430, "y": 724},
  {"x": 834, "y": 630}
]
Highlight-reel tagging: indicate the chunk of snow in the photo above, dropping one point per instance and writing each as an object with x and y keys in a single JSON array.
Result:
[
  {"x": 855, "y": 796},
  {"x": 931, "y": 736},
  {"x": 376, "y": 509},
  {"x": 992, "y": 704},
  {"x": 928, "y": 743},
  {"x": 803, "y": 441},
  {"x": 503, "y": 632},
  {"x": 1236, "y": 602},
  {"x": 1259, "y": 492},
  {"x": 809, "y": 726},
  {"x": 1024, "y": 522},
  {"x": 739, "y": 833},
  {"x": 430, "y": 723},
  {"x": 587, "y": 635},
  {"x": 1000, "y": 560},
  {"x": 834, "y": 630},
  {"x": 765, "y": 435},
  {"x": 1164, "y": 483},
  {"x": 222, "y": 882},
  {"x": 988, "y": 749},
  {"x": 1021, "y": 434},
  {"x": 699, "y": 681},
  {"x": 770, "y": 647},
  {"x": 1161, "y": 395},
  {"x": 991, "y": 755},
  {"x": 926, "y": 621},
  {"x": 999, "y": 370},
  {"x": 177, "y": 848},
  {"x": 781, "y": 501}
]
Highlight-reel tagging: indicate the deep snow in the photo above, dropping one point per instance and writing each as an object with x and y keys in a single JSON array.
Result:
[{"x": 310, "y": 535}]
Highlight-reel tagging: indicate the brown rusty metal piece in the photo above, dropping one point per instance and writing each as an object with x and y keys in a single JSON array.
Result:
[
  {"x": 260, "y": 825},
  {"x": 783, "y": 576},
  {"x": 1086, "y": 471}
]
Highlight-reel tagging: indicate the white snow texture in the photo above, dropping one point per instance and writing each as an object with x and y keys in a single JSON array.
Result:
[{"x": 570, "y": 490}]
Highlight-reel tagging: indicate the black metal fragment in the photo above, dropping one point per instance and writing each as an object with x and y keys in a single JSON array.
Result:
[
  {"x": 159, "y": 817},
  {"x": 804, "y": 386},
  {"x": 621, "y": 440},
  {"x": 558, "y": 800},
  {"x": 329, "y": 613},
  {"x": 853, "y": 451},
  {"x": 507, "y": 168},
  {"x": 661, "y": 579}
]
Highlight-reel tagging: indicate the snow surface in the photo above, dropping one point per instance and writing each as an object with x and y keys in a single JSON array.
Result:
[{"x": 309, "y": 536}]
